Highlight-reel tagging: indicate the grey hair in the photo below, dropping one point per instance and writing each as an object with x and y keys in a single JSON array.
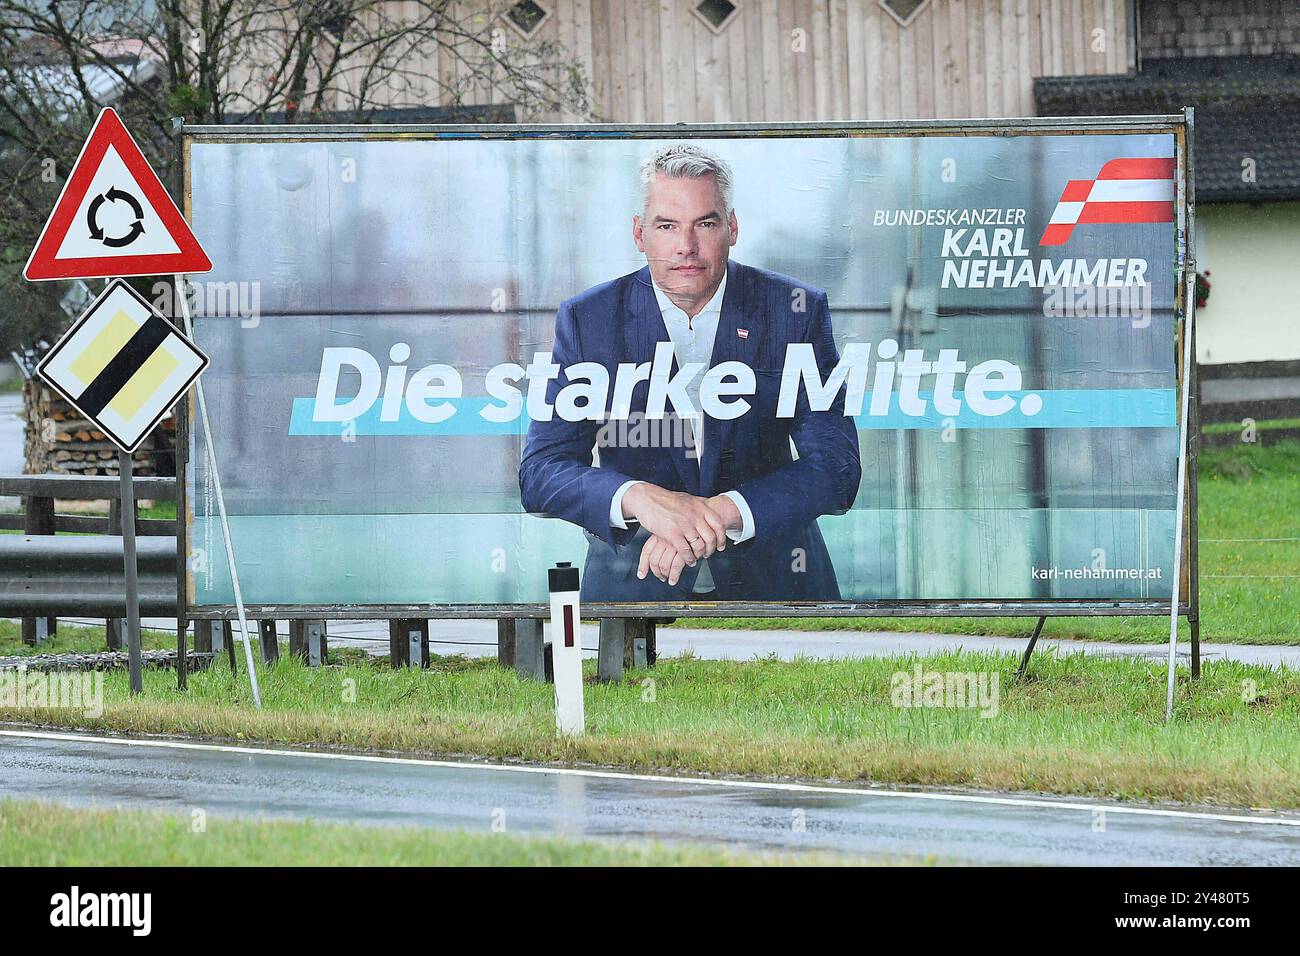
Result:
[{"x": 687, "y": 161}]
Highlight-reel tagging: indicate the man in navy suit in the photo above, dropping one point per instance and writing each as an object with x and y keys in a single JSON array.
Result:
[{"x": 730, "y": 512}]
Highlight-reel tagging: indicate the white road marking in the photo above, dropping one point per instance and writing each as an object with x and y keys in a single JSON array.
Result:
[{"x": 661, "y": 778}]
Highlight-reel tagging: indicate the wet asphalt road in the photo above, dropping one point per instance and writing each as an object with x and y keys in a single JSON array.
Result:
[{"x": 957, "y": 828}]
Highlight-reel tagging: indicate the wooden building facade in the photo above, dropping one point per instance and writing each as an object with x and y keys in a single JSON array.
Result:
[{"x": 698, "y": 61}]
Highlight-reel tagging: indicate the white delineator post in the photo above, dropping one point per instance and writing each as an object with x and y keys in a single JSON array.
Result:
[{"x": 566, "y": 650}]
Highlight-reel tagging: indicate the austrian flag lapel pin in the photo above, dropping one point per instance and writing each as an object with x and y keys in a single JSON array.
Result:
[{"x": 742, "y": 333}]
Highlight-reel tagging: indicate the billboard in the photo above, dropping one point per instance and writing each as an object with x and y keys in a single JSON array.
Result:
[{"x": 772, "y": 367}]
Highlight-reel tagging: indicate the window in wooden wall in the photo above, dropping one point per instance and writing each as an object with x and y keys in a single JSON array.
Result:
[
  {"x": 904, "y": 11},
  {"x": 527, "y": 16},
  {"x": 717, "y": 14}
]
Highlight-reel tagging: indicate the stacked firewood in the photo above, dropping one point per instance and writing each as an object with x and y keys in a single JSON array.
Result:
[{"x": 59, "y": 440}]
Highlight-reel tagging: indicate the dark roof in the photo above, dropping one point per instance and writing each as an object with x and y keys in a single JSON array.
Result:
[
  {"x": 494, "y": 113},
  {"x": 1246, "y": 108}
]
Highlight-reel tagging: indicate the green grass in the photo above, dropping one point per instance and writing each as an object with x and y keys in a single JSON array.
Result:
[
  {"x": 159, "y": 509},
  {"x": 162, "y": 510},
  {"x": 1250, "y": 591},
  {"x": 1232, "y": 428},
  {"x": 74, "y": 639},
  {"x": 11, "y": 385},
  {"x": 40, "y": 834},
  {"x": 1081, "y": 725}
]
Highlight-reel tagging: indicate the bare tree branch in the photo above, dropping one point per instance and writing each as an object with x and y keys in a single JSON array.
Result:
[{"x": 217, "y": 61}]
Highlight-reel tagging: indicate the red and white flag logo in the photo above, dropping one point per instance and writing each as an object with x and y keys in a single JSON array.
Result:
[{"x": 1126, "y": 190}]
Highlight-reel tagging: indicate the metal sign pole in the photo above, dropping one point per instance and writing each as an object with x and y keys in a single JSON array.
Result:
[
  {"x": 126, "y": 508},
  {"x": 221, "y": 501},
  {"x": 124, "y": 467}
]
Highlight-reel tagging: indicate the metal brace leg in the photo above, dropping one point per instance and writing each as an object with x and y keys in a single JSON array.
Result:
[{"x": 1033, "y": 640}]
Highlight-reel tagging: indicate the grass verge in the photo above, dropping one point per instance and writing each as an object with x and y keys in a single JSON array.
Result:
[
  {"x": 42, "y": 834},
  {"x": 1234, "y": 428},
  {"x": 1080, "y": 725}
]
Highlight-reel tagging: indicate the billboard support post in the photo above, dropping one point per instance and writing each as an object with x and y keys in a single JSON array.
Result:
[
  {"x": 270, "y": 640},
  {"x": 1194, "y": 417},
  {"x": 221, "y": 503},
  {"x": 307, "y": 641},
  {"x": 609, "y": 657},
  {"x": 315, "y": 643},
  {"x": 1180, "y": 497},
  {"x": 506, "y": 641},
  {"x": 637, "y": 647},
  {"x": 213, "y": 636},
  {"x": 408, "y": 642},
  {"x": 530, "y": 649}
]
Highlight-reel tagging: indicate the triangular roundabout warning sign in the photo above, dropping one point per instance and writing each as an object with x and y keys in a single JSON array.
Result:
[{"x": 114, "y": 218}]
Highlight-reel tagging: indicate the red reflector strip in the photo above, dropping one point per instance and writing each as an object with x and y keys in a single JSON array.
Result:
[{"x": 568, "y": 625}]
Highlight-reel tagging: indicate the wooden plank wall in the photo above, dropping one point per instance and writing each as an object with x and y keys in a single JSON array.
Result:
[{"x": 656, "y": 61}]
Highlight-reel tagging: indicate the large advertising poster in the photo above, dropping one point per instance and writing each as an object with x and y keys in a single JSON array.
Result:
[{"x": 817, "y": 365}]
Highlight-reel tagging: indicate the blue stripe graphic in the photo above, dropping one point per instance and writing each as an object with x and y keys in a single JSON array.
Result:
[{"x": 1061, "y": 408}]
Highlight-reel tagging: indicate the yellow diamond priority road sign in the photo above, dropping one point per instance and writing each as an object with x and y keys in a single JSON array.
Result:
[{"x": 122, "y": 365}]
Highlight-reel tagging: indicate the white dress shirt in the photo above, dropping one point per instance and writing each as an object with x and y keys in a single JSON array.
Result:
[{"x": 692, "y": 340}]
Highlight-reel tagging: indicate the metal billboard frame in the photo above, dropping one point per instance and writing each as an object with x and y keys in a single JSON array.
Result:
[{"x": 1180, "y": 125}]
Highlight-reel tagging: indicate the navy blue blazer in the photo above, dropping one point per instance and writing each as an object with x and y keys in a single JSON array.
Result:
[{"x": 619, "y": 322}]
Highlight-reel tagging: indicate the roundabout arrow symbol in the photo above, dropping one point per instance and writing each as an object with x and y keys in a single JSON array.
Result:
[{"x": 92, "y": 218}]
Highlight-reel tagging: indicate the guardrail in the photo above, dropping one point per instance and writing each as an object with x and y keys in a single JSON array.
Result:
[
  {"x": 48, "y": 575},
  {"x": 43, "y": 575}
]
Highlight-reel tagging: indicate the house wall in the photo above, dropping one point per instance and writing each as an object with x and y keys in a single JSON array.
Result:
[
  {"x": 780, "y": 60},
  {"x": 1253, "y": 313},
  {"x": 656, "y": 61}
]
